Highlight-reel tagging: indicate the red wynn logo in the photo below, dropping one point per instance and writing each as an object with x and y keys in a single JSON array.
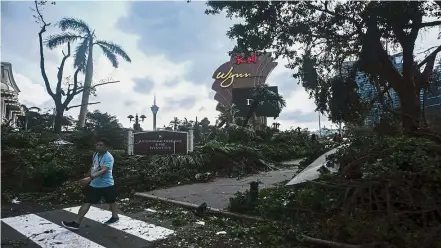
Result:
[{"x": 240, "y": 59}]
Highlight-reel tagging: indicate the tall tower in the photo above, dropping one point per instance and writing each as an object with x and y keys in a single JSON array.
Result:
[{"x": 154, "y": 109}]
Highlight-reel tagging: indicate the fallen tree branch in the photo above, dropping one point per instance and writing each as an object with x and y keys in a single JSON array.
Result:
[
  {"x": 192, "y": 205},
  {"x": 431, "y": 55},
  {"x": 362, "y": 158},
  {"x": 430, "y": 24},
  {"x": 332, "y": 244},
  {"x": 427, "y": 50}
]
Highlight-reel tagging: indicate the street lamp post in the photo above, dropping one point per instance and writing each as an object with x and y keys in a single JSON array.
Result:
[
  {"x": 136, "y": 125},
  {"x": 276, "y": 125},
  {"x": 320, "y": 126}
]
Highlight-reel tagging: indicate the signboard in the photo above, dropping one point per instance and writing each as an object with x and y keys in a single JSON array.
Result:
[
  {"x": 240, "y": 72},
  {"x": 242, "y": 99},
  {"x": 159, "y": 142}
]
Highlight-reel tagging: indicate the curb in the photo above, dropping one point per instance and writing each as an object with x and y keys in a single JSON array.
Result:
[{"x": 194, "y": 206}]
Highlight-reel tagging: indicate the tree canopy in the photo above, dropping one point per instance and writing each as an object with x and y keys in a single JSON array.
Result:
[
  {"x": 106, "y": 126},
  {"x": 76, "y": 29},
  {"x": 320, "y": 37},
  {"x": 262, "y": 94}
]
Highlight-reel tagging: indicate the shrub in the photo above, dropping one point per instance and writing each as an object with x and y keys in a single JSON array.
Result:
[
  {"x": 233, "y": 159},
  {"x": 42, "y": 166},
  {"x": 146, "y": 173},
  {"x": 393, "y": 197},
  {"x": 235, "y": 133},
  {"x": 67, "y": 192},
  {"x": 82, "y": 139},
  {"x": 281, "y": 151},
  {"x": 26, "y": 139}
]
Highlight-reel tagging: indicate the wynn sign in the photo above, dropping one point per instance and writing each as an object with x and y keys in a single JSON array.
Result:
[{"x": 240, "y": 72}]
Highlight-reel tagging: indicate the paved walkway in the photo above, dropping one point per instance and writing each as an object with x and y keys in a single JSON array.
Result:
[
  {"x": 44, "y": 230},
  {"x": 218, "y": 192}
]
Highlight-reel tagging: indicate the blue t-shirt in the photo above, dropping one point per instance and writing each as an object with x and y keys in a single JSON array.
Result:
[{"x": 106, "y": 179}]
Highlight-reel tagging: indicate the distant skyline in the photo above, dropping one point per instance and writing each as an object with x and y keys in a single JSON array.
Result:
[{"x": 175, "y": 48}]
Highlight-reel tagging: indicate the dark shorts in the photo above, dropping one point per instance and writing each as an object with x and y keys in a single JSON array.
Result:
[{"x": 94, "y": 195}]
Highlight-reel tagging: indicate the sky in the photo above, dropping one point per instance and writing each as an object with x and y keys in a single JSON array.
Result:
[{"x": 174, "y": 48}]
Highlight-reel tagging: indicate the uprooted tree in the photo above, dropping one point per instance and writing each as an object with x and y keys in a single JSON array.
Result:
[
  {"x": 65, "y": 89},
  {"x": 318, "y": 37}
]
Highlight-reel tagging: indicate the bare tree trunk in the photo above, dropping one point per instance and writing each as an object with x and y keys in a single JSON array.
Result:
[
  {"x": 59, "y": 112},
  {"x": 87, "y": 85},
  {"x": 411, "y": 108},
  {"x": 26, "y": 121}
]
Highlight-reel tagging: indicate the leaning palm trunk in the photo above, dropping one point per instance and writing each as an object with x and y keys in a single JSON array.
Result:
[
  {"x": 87, "y": 86},
  {"x": 250, "y": 113},
  {"x": 254, "y": 121}
]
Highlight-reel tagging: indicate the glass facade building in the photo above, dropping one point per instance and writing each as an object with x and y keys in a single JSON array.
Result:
[
  {"x": 433, "y": 95},
  {"x": 367, "y": 91}
]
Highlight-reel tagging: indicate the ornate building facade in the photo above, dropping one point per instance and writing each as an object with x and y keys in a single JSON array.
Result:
[{"x": 11, "y": 108}]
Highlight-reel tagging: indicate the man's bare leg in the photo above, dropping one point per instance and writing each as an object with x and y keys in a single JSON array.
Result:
[
  {"x": 83, "y": 211},
  {"x": 114, "y": 209}
]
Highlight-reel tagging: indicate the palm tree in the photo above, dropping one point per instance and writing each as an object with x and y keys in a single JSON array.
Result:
[
  {"x": 263, "y": 94},
  {"x": 27, "y": 112},
  {"x": 175, "y": 123},
  {"x": 227, "y": 115},
  {"x": 83, "y": 57},
  {"x": 186, "y": 124}
]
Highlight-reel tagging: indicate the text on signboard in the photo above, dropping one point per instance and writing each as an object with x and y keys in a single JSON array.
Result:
[
  {"x": 158, "y": 141},
  {"x": 228, "y": 78},
  {"x": 240, "y": 60}
]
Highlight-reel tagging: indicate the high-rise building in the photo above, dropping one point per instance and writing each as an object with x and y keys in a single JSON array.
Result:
[
  {"x": 367, "y": 91},
  {"x": 433, "y": 94},
  {"x": 433, "y": 99},
  {"x": 397, "y": 61}
]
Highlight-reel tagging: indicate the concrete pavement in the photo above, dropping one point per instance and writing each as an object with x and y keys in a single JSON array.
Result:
[{"x": 218, "y": 192}]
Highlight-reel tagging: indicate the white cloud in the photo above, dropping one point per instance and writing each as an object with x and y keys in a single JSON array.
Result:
[{"x": 31, "y": 92}]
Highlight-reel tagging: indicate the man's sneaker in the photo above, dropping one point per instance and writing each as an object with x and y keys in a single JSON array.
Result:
[
  {"x": 112, "y": 220},
  {"x": 71, "y": 225}
]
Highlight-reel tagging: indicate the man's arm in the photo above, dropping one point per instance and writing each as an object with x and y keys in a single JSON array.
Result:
[{"x": 99, "y": 173}]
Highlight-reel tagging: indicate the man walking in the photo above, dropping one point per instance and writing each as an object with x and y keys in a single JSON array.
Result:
[{"x": 100, "y": 184}]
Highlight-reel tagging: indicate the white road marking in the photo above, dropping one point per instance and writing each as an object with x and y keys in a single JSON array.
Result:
[
  {"x": 126, "y": 224},
  {"x": 47, "y": 234}
]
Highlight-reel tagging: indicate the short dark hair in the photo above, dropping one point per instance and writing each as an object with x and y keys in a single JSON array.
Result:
[{"x": 102, "y": 140}]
